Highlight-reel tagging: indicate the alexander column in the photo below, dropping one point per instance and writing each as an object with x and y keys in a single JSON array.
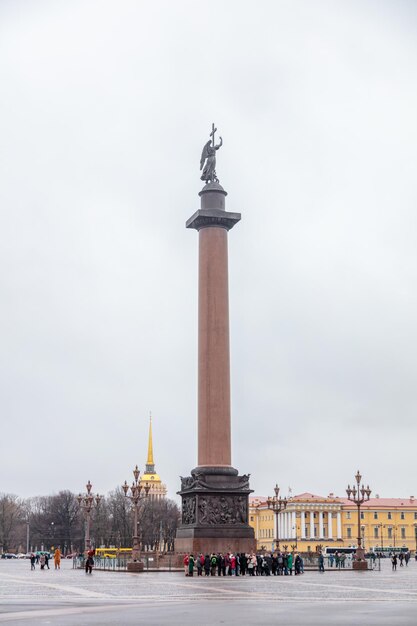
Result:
[{"x": 215, "y": 499}]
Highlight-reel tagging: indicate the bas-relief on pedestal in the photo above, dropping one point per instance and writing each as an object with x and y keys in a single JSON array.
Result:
[
  {"x": 214, "y": 498},
  {"x": 214, "y": 512}
]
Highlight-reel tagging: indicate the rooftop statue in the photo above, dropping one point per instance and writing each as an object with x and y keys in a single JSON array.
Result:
[{"x": 208, "y": 157}]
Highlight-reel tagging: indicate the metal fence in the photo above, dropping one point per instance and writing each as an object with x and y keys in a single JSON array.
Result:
[
  {"x": 165, "y": 563},
  {"x": 168, "y": 563}
]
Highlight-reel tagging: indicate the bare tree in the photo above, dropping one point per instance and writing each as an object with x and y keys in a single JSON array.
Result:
[{"x": 11, "y": 519}]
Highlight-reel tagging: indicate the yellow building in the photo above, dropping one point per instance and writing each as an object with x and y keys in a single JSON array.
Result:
[
  {"x": 158, "y": 490},
  {"x": 311, "y": 521}
]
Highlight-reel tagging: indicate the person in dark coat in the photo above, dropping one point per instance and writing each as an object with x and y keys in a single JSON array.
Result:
[
  {"x": 220, "y": 564},
  {"x": 89, "y": 563},
  {"x": 243, "y": 563},
  {"x": 207, "y": 565},
  {"x": 190, "y": 565},
  {"x": 297, "y": 565}
]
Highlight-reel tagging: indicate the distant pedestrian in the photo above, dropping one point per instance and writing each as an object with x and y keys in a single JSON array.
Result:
[
  {"x": 394, "y": 562},
  {"x": 47, "y": 560},
  {"x": 207, "y": 565},
  {"x": 89, "y": 563},
  {"x": 290, "y": 562},
  {"x": 213, "y": 564},
  {"x": 321, "y": 562},
  {"x": 190, "y": 565},
  {"x": 331, "y": 559},
  {"x": 57, "y": 558},
  {"x": 200, "y": 563},
  {"x": 185, "y": 562},
  {"x": 243, "y": 563},
  {"x": 42, "y": 561},
  {"x": 32, "y": 561}
]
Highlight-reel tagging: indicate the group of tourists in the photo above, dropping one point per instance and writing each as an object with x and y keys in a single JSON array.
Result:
[
  {"x": 338, "y": 559},
  {"x": 402, "y": 557},
  {"x": 230, "y": 564},
  {"x": 42, "y": 559}
]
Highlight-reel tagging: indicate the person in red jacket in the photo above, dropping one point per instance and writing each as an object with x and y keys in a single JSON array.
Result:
[
  {"x": 233, "y": 564},
  {"x": 186, "y": 561}
]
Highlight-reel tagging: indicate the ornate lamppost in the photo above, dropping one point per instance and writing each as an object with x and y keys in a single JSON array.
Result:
[
  {"x": 135, "y": 496},
  {"x": 86, "y": 502},
  {"x": 358, "y": 495},
  {"x": 276, "y": 504},
  {"x": 381, "y": 527}
]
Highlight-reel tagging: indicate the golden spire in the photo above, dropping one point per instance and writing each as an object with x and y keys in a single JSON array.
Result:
[
  {"x": 150, "y": 446},
  {"x": 149, "y": 462}
]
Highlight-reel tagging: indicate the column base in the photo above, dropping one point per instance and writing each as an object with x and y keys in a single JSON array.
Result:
[
  {"x": 360, "y": 565},
  {"x": 135, "y": 567},
  {"x": 215, "y": 509}
]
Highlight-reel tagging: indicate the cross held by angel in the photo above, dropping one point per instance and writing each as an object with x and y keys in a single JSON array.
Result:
[{"x": 208, "y": 157}]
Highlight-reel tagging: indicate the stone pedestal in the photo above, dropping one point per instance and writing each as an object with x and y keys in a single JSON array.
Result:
[
  {"x": 135, "y": 567},
  {"x": 215, "y": 512},
  {"x": 360, "y": 565},
  {"x": 214, "y": 498}
]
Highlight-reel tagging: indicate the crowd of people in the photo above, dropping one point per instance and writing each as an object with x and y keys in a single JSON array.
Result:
[
  {"x": 402, "y": 557},
  {"x": 42, "y": 559},
  {"x": 229, "y": 564}
]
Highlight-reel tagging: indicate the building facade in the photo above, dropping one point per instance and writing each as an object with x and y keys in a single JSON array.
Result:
[
  {"x": 311, "y": 522},
  {"x": 157, "y": 489}
]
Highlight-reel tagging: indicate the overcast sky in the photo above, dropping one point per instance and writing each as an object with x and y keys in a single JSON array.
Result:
[{"x": 104, "y": 110}]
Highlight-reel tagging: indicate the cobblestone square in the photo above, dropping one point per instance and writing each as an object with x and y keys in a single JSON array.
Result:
[{"x": 70, "y": 596}]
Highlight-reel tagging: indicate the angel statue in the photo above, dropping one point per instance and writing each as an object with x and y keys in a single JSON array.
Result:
[{"x": 209, "y": 157}]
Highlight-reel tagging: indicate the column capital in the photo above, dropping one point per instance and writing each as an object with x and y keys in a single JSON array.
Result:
[{"x": 206, "y": 218}]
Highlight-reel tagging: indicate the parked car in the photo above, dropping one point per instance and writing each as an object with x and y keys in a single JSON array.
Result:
[{"x": 8, "y": 555}]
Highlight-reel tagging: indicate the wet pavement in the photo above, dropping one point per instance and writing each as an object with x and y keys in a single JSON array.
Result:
[{"x": 68, "y": 597}]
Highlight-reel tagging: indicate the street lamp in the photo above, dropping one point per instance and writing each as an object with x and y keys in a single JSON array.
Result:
[
  {"x": 276, "y": 504},
  {"x": 86, "y": 502},
  {"x": 358, "y": 495},
  {"x": 381, "y": 526},
  {"x": 135, "y": 497},
  {"x": 27, "y": 535},
  {"x": 52, "y": 533}
]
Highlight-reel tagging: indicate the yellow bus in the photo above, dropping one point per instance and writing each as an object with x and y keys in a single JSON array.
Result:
[{"x": 112, "y": 553}]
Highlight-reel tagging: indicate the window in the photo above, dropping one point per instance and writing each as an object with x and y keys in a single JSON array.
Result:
[
  {"x": 389, "y": 515},
  {"x": 376, "y": 529},
  {"x": 402, "y": 532},
  {"x": 251, "y": 518},
  {"x": 402, "y": 515},
  {"x": 348, "y": 515},
  {"x": 375, "y": 515},
  {"x": 390, "y": 533},
  {"x": 362, "y": 515},
  {"x": 349, "y": 533},
  {"x": 315, "y": 531},
  {"x": 415, "y": 515}
]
